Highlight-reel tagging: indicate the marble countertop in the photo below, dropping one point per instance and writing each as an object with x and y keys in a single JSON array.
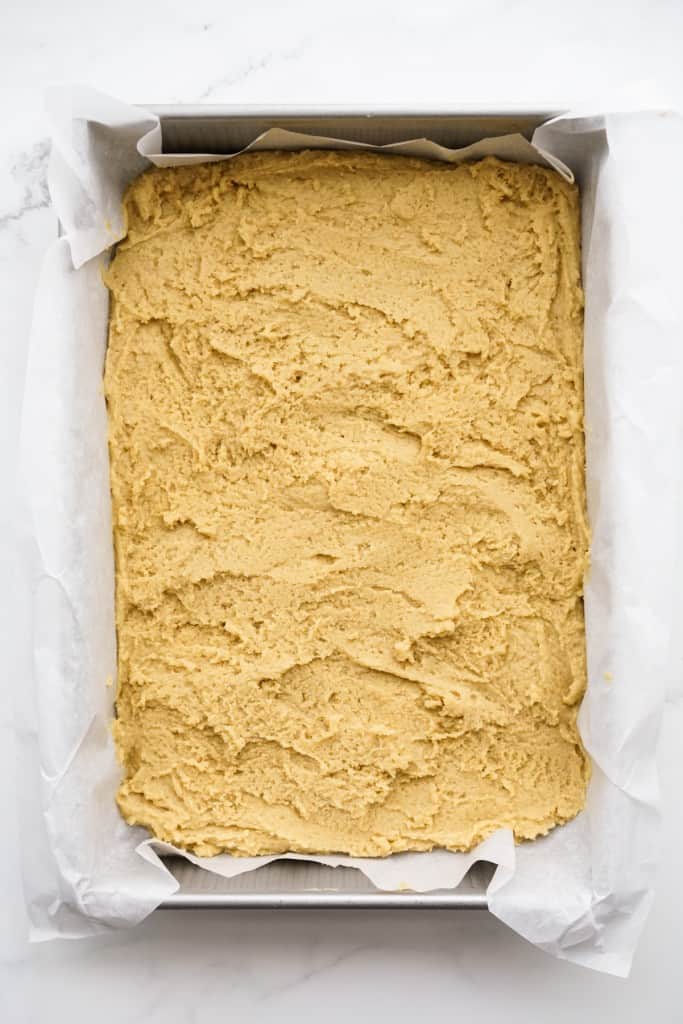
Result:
[{"x": 206, "y": 966}]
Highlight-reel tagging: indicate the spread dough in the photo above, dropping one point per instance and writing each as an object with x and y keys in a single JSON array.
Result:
[{"x": 345, "y": 399}]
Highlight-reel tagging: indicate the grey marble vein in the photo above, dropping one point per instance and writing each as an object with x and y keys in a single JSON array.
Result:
[
  {"x": 29, "y": 169},
  {"x": 267, "y": 61}
]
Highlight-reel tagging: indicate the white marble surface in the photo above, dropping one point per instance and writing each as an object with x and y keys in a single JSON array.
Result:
[{"x": 206, "y": 966}]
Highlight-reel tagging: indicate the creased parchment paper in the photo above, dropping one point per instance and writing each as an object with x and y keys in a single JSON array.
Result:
[{"x": 583, "y": 891}]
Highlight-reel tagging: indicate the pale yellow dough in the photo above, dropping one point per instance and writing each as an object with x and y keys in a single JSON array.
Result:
[{"x": 347, "y": 466}]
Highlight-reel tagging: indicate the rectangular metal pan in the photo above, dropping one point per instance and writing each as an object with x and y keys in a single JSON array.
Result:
[{"x": 298, "y": 885}]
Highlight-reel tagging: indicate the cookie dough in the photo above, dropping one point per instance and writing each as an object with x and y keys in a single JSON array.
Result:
[{"x": 347, "y": 465}]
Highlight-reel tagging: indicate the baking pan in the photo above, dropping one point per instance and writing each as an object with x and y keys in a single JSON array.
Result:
[
  {"x": 288, "y": 884},
  {"x": 305, "y": 885}
]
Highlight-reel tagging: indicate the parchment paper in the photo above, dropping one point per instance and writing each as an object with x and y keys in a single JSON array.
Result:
[{"x": 582, "y": 892}]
